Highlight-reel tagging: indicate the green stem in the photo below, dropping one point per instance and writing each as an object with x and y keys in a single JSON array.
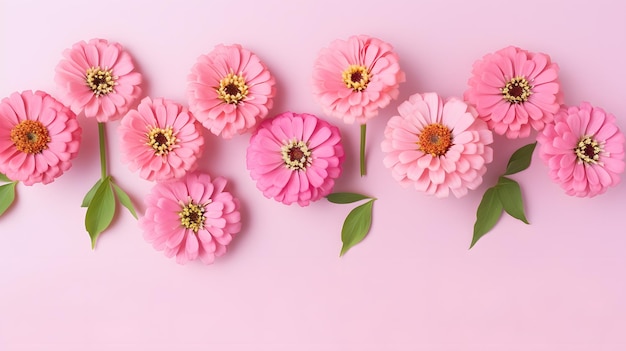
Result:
[
  {"x": 103, "y": 152},
  {"x": 362, "y": 153}
]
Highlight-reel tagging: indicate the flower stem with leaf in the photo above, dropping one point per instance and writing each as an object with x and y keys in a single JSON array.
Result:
[{"x": 362, "y": 149}]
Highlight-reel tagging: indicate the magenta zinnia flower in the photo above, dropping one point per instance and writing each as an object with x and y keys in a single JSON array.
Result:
[
  {"x": 192, "y": 217},
  {"x": 295, "y": 158},
  {"x": 160, "y": 139},
  {"x": 439, "y": 147},
  {"x": 98, "y": 78},
  {"x": 354, "y": 78},
  {"x": 39, "y": 137},
  {"x": 515, "y": 91},
  {"x": 584, "y": 150},
  {"x": 230, "y": 90}
]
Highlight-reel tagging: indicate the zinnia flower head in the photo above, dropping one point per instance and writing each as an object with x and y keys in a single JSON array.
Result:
[
  {"x": 584, "y": 150},
  {"x": 295, "y": 158},
  {"x": 230, "y": 90},
  {"x": 99, "y": 79},
  {"x": 191, "y": 217},
  {"x": 160, "y": 139},
  {"x": 515, "y": 91},
  {"x": 439, "y": 147},
  {"x": 354, "y": 78},
  {"x": 39, "y": 137}
]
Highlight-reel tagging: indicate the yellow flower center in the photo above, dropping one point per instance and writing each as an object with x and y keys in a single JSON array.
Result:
[
  {"x": 356, "y": 77},
  {"x": 161, "y": 140},
  {"x": 435, "y": 139},
  {"x": 100, "y": 81},
  {"x": 232, "y": 89},
  {"x": 296, "y": 155},
  {"x": 516, "y": 90},
  {"x": 192, "y": 216},
  {"x": 30, "y": 137},
  {"x": 588, "y": 150}
]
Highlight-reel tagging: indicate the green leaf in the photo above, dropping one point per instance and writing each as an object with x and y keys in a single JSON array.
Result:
[
  {"x": 487, "y": 215},
  {"x": 4, "y": 178},
  {"x": 345, "y": 198},
  {"x": 124, "y": 199},
  {"x": 510, "y": 196},
  {"x": 100, "y": 211},
  {"x": 356, "y": 226},
  {"x": 90, "y": 194},
  {"x": 520, "y": 160},
  {"x": 7, "y": 196}
]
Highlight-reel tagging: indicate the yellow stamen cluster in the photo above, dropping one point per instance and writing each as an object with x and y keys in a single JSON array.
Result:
[
  {"x": 232, "y": 89},
  {"x": 588, "y": 150},
  {"x": 161, "y": 140},
  {"x": 516, "y": 90},
  {"x": 100, "y": 81},
  {"x": 30, "y": 137},
  {"x": 192, "y": 216},
  {"x": 435, "y": 139},
  {"x": 356, "y": 77},
  {"x": 296, "y": 155}
]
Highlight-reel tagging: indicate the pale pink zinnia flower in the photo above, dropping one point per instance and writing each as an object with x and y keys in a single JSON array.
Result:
[
  {"x": 295, "y": 158},
  {"x": 160, "y": 139},
  {"x": 354, "y": 78},
  {"x": 439, "y": 147},
  {"x": 230, "y": 90},
  {"x": 99, "y": 79},
  {"x": 191, "y": 217},
  {"x": 39, "y": 137},
  {"x": 584, "y": 150},
  {"x": 515, "y": 91}
]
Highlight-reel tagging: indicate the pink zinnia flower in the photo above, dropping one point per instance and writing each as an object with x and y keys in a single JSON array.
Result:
[
  {"x": 160, "y": 139},
  {"x": 191, "y": 217},
  {"x": 39, "y": 137},
  {"x": 295, "y": 158},
  {"x": 99, "y": 79},
  {"x": 584, "y": 150},
  {"x": 439, "y": 147},
  {"x": 230, "y": 90},
  {"x": 515, "y": 91},
  {"x": 354, "y": 78}
]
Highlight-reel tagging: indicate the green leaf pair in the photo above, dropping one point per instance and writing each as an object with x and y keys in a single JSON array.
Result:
[
  {"x": 7, "y": 193},
  {"x": 505, "y": 196},
  {"x": 358, "y": 222}
]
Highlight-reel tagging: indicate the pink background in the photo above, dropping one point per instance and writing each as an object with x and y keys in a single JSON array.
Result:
[{"x": 557, "y": 284}]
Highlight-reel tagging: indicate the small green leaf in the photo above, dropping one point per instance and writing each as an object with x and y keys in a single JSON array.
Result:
[
  {"x": 90, "y": 194},
  {"x": 7, "y": 196},
  {"x": 510, "y": 196},
  {"x": 345, "y": 198},
  {"x": 520, "y": 160},
  {"x": 487, "y": 215},
  {"x": 356, "y": 226},
  {"x": 124, "y": 199},
  {"x": 4, "y": 178},
  {"x": 100, "y": 211}
]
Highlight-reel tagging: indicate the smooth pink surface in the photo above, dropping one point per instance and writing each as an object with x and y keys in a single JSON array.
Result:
[{"x": 557, "y": 284}]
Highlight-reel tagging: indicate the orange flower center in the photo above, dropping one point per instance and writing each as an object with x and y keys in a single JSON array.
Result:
[
  {"x": 232, "y": 89},
  {"x": 192, "y": 216},
  {"x": 161, "y": 140},
  {"x": 30, "y": 137},
  {"x": 588, "y": 150},
  {"x": 296, "y": 155},
  {"x": 100, "y": 81},
  {"x": 435, "y": 139},
  {"x": 516, "y": 90},
  {"x": 356, "y": 77}
]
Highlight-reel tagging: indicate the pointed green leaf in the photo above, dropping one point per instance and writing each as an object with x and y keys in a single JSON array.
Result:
[
  {"x": 4, "y": 178},
  {"x": 356, "y": 226},
  {"x": 345, "y": 198},
  {"x": 90, "y": 194},
  {"x": 487, "y": 215},
  {"x": 520, "y": 160},
  {"x": 100, "y": 211},
  {"x": 124, "y": 199},
  {"x": 7, "y": 196},
  {"x": 510, "y": 196}
]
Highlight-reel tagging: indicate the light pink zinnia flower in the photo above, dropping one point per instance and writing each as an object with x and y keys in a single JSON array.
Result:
[
  {"x": 295, "y": 158},
  {"x": 354, "y": 78},
  {"x": 515, "y": 91},
  {"x": 98, "y": 78},
  {"x": 191, "y": 217},
  {"x": 437, "y": 146},
  {"x": 160, "y": 139},
  {"x": 584, "y": 150},
  {"x": 39, "y": 137},
  {"x": 230, "y": 90}
]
